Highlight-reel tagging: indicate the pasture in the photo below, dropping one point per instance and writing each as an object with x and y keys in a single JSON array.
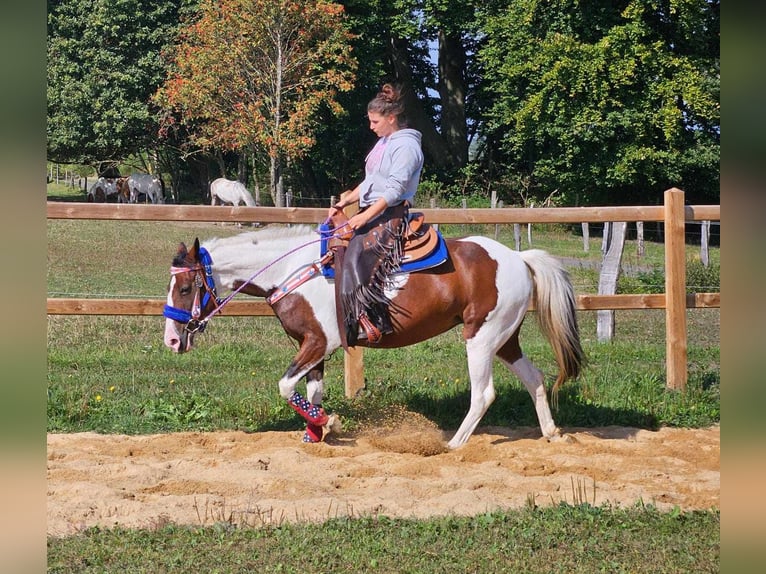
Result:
[{"x": 112, "y": 375}]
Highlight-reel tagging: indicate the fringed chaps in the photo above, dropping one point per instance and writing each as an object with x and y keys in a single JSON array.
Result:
[{"x": 373, "y": 255}]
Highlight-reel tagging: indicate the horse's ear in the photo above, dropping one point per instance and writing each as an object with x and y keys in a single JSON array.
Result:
[
  {"x": 195, "y": 249},
  {"x": 182, "y": 251}
]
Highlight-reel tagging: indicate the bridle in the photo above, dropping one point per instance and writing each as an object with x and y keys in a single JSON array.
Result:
[
  {"x": 193, "y": 323},
  {"x": 192, "y": 320}
]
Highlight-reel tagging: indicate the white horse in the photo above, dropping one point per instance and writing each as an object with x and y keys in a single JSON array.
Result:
[
  {"x": 147, "y": 184},
  {"x": 101, "y": 190},
  {"x": 224, "y": 190}
]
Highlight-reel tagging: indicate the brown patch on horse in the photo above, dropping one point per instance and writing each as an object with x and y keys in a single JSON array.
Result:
[
  {"x": 123, "y": 191},
  {"x": 298, "y": 320},
  {"x": 451, "y": 300}
]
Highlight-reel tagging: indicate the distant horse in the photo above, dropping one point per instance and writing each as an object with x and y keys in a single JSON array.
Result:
[
  {"x": 101, "y": 190},
  {"x": 482, "y": 284},
  {"x": 224, "y": 190},
  {"x": 147, "y": 185},
  {"x": 123, "y": 191}
]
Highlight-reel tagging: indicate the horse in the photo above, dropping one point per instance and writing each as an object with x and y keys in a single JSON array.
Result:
[
  {"x": 224, "y": 190},
  {"x": 101, "y": 190},
  {"x": 123, "y": 191},
  {"x": 482, "y": 284},
  {"x": 147, "y": 185}
]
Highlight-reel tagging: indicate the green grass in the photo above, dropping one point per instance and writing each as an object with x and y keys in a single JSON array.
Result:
[
  {"x": 113, "y": 375},
  {"x": 567, "y": 539}
]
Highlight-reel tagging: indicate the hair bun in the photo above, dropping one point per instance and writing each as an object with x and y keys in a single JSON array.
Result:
[{"x": 389, "y": 93}]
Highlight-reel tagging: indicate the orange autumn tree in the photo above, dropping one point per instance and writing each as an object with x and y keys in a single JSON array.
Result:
[{"x": 252, "y": 74}]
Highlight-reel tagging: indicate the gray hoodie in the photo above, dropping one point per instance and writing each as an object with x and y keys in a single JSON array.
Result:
[{"x": 396, "y": 178}]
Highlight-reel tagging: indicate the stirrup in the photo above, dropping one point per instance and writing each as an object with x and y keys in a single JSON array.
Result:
[{"x": 372, "y": 332}]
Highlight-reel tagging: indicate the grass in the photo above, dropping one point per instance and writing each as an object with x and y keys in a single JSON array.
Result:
[
  {"x": 571, "y": 539},
  {"x": 113, "y": 375}
]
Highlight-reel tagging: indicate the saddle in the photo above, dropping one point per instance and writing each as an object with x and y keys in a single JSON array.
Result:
[{"x": 420, "y": 240}]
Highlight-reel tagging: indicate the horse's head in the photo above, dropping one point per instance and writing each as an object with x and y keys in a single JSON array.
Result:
[{"x": 191, "y": 297}]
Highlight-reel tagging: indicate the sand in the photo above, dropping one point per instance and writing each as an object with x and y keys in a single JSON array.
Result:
[{"x": 271, "y": 478}]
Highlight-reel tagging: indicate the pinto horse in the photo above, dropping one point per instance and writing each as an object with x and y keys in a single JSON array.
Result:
[{"x": 483, "y": 284}]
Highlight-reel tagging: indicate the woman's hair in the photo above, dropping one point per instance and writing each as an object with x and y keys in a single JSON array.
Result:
[{"x": 388, "y": 101}]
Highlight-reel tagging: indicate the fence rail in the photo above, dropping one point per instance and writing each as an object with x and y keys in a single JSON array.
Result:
[{"x": 673, "y": 213}]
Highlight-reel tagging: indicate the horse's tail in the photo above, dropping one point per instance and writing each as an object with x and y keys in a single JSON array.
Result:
[{"x": 556, "y": 312}]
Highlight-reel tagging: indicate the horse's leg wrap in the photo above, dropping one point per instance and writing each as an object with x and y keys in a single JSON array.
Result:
[
  {"x": 313, "y": 433},
  {"x": 314, "y": 414}
]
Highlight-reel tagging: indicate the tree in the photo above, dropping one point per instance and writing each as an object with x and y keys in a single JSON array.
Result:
[
  {"x": 103, "y": 65},
  {"x": 610, "y": 104},
  {"x": 253, "y": 75}
]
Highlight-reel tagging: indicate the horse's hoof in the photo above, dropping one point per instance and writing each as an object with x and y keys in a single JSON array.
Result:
[{"x": 333, "y": 424}]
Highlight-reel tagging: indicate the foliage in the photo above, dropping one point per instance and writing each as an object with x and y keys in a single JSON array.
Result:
[
  {"x": 103, "y": 64},
  {"x": 251, "y": 74},
  {"x": 605, "y": 104},
  {"x": 563, "y": 538},
  {"x": 558, "y": 102},
  {"x": 699, "y": 279}
]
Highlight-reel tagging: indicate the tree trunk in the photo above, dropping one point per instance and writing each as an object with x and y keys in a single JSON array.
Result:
[
  {"x": 433, "y": 144},
  {"x": 452, "y": 89},
  {"x": 242, "y": 168}
]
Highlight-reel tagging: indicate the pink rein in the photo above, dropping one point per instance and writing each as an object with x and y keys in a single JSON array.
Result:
[{"x": 223, "y": 302}]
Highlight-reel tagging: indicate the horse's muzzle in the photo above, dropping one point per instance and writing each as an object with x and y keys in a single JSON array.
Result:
[{"x": 177, "y": 342}]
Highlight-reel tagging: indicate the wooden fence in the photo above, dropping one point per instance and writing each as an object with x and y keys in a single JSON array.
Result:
[{"x": 673, "y": 213}]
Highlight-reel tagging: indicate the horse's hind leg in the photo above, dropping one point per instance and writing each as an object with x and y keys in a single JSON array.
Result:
[
  {"x": 482, "y": 390},
  {"x": 533, "y": 379}
]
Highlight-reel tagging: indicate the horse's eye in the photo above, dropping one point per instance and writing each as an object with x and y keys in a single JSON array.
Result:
[{"x": 185, "y": 290}]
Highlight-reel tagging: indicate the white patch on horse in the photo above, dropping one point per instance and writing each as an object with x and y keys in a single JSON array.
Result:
[
  {"x": 147, "y": 185},
  {"x": 229, "y": 191}
]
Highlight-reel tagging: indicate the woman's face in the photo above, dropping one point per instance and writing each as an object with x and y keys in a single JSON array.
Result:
[{"x": 382, "y": 125}]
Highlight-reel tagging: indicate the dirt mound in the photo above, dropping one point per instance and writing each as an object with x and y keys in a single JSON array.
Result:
[{"x": 400, "y": 468}]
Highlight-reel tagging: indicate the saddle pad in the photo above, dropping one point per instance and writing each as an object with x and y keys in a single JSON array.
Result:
[{"x": 437, "y": 256}]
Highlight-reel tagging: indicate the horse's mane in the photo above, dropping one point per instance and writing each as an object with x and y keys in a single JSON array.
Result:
[
  {"x": 252, "y": 250},
  {"x": 272, "y": 238}
]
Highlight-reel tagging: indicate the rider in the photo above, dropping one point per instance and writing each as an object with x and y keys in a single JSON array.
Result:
[{"x": 392, "y": 173}]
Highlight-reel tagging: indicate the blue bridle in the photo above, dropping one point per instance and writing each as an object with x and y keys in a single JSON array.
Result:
[{"x": 192, "y": 318}]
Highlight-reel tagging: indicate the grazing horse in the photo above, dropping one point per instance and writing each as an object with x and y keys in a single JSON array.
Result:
[
  {"x": 101, "y": 190},
  {"x": 482, "y": 284},
  {"x": 224, "y": 190},
  {"x": 147, "y": 185}
]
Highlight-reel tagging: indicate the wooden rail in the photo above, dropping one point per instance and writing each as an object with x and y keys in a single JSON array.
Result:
[
  {"x": 241, "y": 308},
  {"x": 673, "y": 213}
]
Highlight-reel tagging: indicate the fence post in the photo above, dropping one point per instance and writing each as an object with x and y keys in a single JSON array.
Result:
[
  {"x": 353, "y": 359},
  {"x": 704, "y": 239},
  {"x": 432, "y": 204},
  {"x": 529, "y": 228},
  {"x": 607, "y": 280},
  {"x": 498, "y": 205},
  {"x": 585, "y": 236},
  {"x": 675, "y": 289}
]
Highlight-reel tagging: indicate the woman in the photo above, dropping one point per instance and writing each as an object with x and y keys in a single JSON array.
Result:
[{"x": 392, "y": 173}]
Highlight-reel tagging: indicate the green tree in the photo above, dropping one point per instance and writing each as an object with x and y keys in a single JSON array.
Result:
[
  {"x": 605, "y": 103},
  {"x": 103, "y": 65},
  {"x": 253, "y": 75}
]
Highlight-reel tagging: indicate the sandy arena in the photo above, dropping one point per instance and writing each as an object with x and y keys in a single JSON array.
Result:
[{"x": 272, "y": 478}]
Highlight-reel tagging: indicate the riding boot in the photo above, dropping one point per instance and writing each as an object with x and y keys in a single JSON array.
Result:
[{"x": 379, "y": 315}]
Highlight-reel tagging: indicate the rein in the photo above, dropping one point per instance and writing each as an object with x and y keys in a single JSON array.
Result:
[{"x": 192, "y": 318}]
